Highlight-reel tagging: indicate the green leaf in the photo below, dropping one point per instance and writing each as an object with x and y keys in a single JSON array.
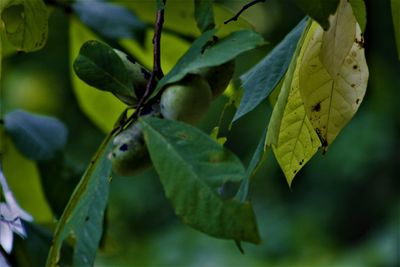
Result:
[
  {"x": 331, "y": 101},
  {"x": 204, "y": 14},
  {"x": 360, "y": 12},
  {"x": 100, "y": 66},
  {"x": 193, "y": 169},
  {"x": 206, "y": 52},
  {"x": 25, "y": 22},
  {"x": 319, "y": 10},
  {"x": 82, "y": 218},
  {"x": 101, "y": 108},
  {"x": 179, "y": 16},
  {"x": 110, "y": 20},
  {"x": 259, "y": 81},
  {"x": 279, "y": 108},
  {"x": 38, "y": 137},
  {"x": 338, "y": 40},
  {"x": 395, "y": 4}
]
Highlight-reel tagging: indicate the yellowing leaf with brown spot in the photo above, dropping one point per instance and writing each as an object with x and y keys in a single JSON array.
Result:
[
  {"x": 297, "y": 140},
  {"x": 331, "y": 101}
]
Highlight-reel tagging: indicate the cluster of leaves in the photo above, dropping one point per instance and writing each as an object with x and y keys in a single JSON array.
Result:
[{"x": 315, "y": 79}]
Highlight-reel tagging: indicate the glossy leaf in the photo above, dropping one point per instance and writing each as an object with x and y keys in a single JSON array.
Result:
[
  {"x": 331, "y": 101},
  {"x": 100, "y": 66},
  {"x": 193, "y": 169},
  {"x": 259, "y": 81},
  {"x": 38, "y": 137},
  {"x": 360, "y": 12},
  {"x": 110, "y": 20},
  {"x": 101, "y": 108},
  {"x": 338, "y": 40},
  {"x": 319, "y": 10},
  {"x": 204, "y": 14},
  {"x": 207, "y": 52},
  {"x": 395, "y": 5},
  {"x": 25, "y": 23},
  {"x": 82, "y": 218}
]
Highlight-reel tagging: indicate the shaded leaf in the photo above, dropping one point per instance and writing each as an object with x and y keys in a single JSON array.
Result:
[
  {"x": 101, "y": 108},
  {"x": 180, "y": 16},
  {"x": 319, "y": 10},
  {"x": 207, "y": 52},
  {"x": 38, "y": 137},
  {"x": 259, "y": 81},
  {"x": 331, "y": 101},
  {"x": 25, "y": 22},
  {"x": 82, "y": 218},
  {"x": 395, "y": 5},
  {"x": 360, "y": 12},
  {"x": 204, "y": 14},
  {"x": 193, "y": 169},
  {"x": 100, "y": 66},
  {"x": 110, "y": 20}
]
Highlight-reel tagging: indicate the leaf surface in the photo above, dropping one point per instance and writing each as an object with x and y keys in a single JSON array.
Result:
[
  {"x": 193, "y": 169},
  {"x": 260, "y": 80},
  {"x": 331, "y": 101},
  {"x": 82, "y": 218},
  {"x": 38, "y": 137},
  {"x": 319, "y": 10},
  {"x": 25, "y": 22},
  {"x": 204, "y": 14}
]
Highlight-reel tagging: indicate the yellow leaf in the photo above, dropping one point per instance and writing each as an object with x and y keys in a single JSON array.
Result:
[
  {"x": 332, "y": 100},
  {"x": 338, "y": 40}
]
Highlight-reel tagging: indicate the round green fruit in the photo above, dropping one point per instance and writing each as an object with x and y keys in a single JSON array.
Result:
[
  {"x": 139, "y": 75},
  {"x": 218, "y": 77},
  {"x": 187, "y": 100},
  {"x": 129, "y": 155}
]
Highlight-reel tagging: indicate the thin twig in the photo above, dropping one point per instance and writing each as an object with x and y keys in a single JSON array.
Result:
[{"x": 246, "y": 6}]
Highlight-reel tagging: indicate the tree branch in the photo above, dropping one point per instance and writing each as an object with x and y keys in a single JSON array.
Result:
[{"x": 246, "y": 6}]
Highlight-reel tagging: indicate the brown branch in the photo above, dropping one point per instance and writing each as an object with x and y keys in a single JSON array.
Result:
[{"x": 246, "y": 6}]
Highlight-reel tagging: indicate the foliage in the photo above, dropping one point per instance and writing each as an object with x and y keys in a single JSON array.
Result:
[{"x": 314, "y": 81}]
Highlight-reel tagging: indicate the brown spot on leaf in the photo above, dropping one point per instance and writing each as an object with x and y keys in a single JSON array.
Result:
[
  {"x": 357, "y": 100},
  {"x": 316, "y": 107},
  {"x": 355, "y": 67}
]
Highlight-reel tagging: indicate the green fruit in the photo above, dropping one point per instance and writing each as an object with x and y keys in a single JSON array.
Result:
[
  {"x": 139, "y": 76},
  {"x": 129, "y": 155},
  {"x": 218, "y": 77},
  {"x": 187, "y": 100}
]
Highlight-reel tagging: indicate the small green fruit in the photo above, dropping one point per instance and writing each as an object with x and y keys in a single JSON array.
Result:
[
  {"x": 129, "y": 155},
  {"x": 139, "y": 75},
  {"x": 187, "y": 100},
  {"x": 218, "y": 77}
]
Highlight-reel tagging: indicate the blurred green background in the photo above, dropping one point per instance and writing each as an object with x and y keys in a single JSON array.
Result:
[{"x": 343, "y": 208}]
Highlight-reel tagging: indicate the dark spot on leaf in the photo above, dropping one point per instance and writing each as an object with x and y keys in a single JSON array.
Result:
[
  {"x": 131, "y": 59},
  {"x": 357, "y": 100},
  {"x": 360, "y": 42},
  {"x": 87, "y": 218},
  {"x": 355, "y": 67},
  {"x": 124, "y": 147},
  {"x": 145, "y": 73},
  {"x": 182, "y": 135},
  {"x": 353, "y": 85},
  {"x": 294, "y": 172},
  {"x": 317, "y": 107},
  {"x": 114, "y": 155}
]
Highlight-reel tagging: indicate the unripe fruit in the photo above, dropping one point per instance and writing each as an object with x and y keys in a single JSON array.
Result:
[
  {"x": 129, "y": 155},
  {"x": 187, "y": 100},
  {"x": 139, "y": 76},
  {"x": 218, "y": 77}
]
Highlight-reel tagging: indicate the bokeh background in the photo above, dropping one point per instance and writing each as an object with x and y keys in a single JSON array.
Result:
[{"x": 343, "y": 208}]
